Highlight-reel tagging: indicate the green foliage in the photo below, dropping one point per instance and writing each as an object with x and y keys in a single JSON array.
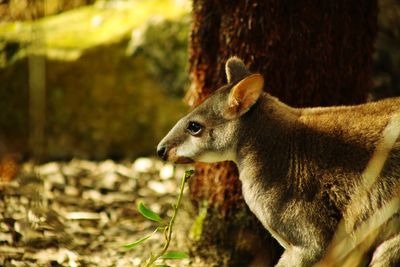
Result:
[
  {"x": 148, "y": 214},
  {"x": 167, "y": 227},
  {"x": 140, "y": 241},
  {"x": 67, "y": 35},
  {"x": 175, "y": 255}
]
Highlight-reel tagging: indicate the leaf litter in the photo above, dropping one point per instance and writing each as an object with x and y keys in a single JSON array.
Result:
[{"x": 81, "y": 213}]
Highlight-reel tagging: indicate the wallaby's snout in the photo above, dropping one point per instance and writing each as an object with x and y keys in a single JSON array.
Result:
[
  {"x": 167, "y": 154},
  {"x": 162, "y": 151},
  {"x": 167, "y": 149}
]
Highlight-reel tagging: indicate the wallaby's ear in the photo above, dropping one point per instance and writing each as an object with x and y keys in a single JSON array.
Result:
[
  {"x": 235, "y": 70},
  {"x": 244, "y": 95}
]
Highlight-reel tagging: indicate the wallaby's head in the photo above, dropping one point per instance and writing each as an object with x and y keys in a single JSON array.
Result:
[{"x": 209, "y": 132}]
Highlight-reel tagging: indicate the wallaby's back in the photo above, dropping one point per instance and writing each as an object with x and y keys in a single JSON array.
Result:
[{"x": 345, "y": 139}]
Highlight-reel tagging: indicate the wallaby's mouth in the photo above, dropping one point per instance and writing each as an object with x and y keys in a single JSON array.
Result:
[{"x": 184, "y": 160}]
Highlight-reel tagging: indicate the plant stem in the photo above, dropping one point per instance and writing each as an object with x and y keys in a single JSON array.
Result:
[{"x": 170, "y": 225}]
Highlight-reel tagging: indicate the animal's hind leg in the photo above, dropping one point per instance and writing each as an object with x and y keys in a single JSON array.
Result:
[{"x": 387, "y": 253}]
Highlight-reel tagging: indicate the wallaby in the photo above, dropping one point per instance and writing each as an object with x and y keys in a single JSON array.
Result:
[{"x": 298, "y": 166}]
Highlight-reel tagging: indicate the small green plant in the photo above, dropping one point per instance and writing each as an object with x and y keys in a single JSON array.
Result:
[{"x": 167, "y": 227}]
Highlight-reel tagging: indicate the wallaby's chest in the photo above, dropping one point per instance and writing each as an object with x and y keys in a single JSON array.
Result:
[
  {"x": 259, "y": 204},
  {"x": 287, "y": 222}
]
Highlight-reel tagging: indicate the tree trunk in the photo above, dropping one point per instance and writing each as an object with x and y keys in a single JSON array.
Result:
[{"x": 310, "y": 53}]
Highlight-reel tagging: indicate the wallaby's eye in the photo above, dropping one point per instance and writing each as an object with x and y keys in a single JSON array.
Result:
[{"x": 194, "y": 128}]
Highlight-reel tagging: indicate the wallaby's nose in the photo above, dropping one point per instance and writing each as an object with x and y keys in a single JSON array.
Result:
[{"x": 162, "y": 152}]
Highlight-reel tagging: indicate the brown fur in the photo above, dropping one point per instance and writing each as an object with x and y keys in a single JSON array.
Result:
[{"x": 299, "y": 167}]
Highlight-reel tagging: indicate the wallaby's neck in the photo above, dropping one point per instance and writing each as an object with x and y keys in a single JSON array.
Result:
[
  {"x": 266, "y": 139},
  {"x": 276, "y": 145}
]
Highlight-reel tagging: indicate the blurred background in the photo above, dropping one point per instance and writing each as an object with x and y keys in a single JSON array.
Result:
[
  {"x": 90, "y": 79},
  {"x": 87, "y": 80},
  {"x": 105, "y": 79}
]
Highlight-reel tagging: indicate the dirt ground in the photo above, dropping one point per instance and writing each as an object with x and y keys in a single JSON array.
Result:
[{"x": 81, "y": 213}]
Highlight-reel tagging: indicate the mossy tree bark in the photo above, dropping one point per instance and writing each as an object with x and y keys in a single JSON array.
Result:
[{"x": 310, "y": 53}]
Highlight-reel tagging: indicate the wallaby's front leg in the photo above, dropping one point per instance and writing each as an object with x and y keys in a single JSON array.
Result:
[
  {"x": 387, "y": 253},
  {"x": 298, "y": 257}
]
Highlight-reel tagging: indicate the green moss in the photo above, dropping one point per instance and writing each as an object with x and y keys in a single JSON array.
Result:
[{"x": 197, "y": 227}]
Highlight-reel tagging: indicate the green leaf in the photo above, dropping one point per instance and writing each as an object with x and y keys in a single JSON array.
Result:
[
  {"x": 188, "y": 174},
  {"x": 140, "y": 241},
  {"x": 149, "y": 214},
  {"x": 174, "y": 255},
  {"x": 162, "y": 265}
]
